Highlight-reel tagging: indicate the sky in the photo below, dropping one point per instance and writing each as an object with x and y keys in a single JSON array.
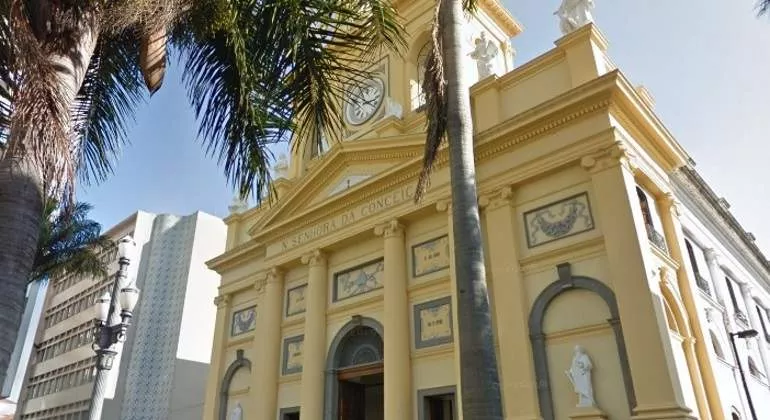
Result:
[{"x": 706, "y": 63}]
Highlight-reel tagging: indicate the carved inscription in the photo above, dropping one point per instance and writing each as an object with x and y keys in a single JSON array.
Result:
[{"x": 350, "y": 216}]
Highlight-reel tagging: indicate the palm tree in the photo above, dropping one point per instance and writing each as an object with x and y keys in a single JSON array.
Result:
[
  {"x": 70, "y": 243},
  {"x": 73, "y": 71},
  {"x": 448, "y": 112}
]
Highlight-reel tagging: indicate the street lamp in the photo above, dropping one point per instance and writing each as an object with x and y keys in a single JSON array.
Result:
[
  {"x": 110, "y": 330},
  {"x": 743, "y": 335}
]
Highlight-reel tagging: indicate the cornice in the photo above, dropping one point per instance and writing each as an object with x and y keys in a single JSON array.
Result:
[
  {"x": 628, "y": 106},
  {"x": 502, "y": 17},
  {"x": 708, "y": 202},
  {"x": 234, "y": 256},
  {"x": 494, "y": 9},
  {"x": 344, "y": 154}
]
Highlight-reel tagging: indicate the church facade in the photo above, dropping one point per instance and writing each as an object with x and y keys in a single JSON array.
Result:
[{"x": 337, "y": 300}]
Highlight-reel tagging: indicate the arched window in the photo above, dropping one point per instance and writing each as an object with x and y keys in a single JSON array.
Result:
[
  {"x": 418, "y": 96},
  {"x": 734, "y": 415},
  {"x": 753, "y": 368},
  {"x": 645, "y": 205},
  {"x": 717, "y": 347}
]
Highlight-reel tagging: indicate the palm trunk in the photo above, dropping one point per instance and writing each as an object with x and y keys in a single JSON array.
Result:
[
  {"x": 479, "y": 379},
  {"x": 21, "y": 199}
]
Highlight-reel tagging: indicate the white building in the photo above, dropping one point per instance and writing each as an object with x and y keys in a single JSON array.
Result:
[
  {"x": 161, "y": 370},
  {"x": 732, "y": 294}
]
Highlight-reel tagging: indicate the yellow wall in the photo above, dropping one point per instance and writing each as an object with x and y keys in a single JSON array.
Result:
[{"x": 564, "y": 124}]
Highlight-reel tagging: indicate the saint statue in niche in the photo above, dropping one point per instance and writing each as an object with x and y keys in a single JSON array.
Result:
[
  {"x": 237, "y": 413},
  {"x": 579, "y": 374},
  {"x": 484, "y": 53},
  {"x": 573, "y": 14}
]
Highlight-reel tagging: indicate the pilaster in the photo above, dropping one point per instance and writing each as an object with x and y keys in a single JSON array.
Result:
[
  {"x": 217, "y": 368},
  {"x": 314, "y": 347},
  {"x": 445, "y": 206},
  {"x": 755, "y": 323},
  {"x": 397, "y": 347},
  {"x": 266, "y": 375},
  {"x": 518, "y": 383},
  {"x": 657, "y": 388},
  {"x": 702, "y": 370}
]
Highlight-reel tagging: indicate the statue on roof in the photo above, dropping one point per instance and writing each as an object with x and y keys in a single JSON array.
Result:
[
  {"x": 484, "y": 53},
  {"x": 281, "y": 167},
  {"x": 573, "y": 14},
  {"x": 239, "y": 204}
]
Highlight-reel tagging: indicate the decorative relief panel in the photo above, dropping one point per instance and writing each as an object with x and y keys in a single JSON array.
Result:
[
  {"x": 430, "y": 256},
  {"x": 433, "y": 323},
  {"x": 244, "y": 321},
  {"x": 359, "y": 280},
  {"x": 558, "y": 220},
  {"x": 292, "y": 354},
  {"x": 295, "y": 300}
]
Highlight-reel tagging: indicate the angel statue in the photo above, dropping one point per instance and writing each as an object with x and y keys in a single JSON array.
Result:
[
  {"x": 573, "y": 14},
  {"x": 579, "y": 374},
  {"x": 484, "y": 53}
]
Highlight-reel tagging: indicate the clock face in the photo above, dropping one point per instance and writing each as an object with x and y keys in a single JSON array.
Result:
[{"x": 364, "y": 100}]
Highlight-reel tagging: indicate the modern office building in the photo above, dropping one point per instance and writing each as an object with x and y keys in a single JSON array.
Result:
[
  {"x": 161, "y": 369},
  {"x": 338, "y": 300}
]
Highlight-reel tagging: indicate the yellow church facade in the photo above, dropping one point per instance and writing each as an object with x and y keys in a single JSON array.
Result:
[{"x": 337, "y": 300}]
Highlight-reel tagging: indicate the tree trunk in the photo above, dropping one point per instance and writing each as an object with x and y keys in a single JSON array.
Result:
[
  {"x": 21, "y": 198},
  {"x": 479, "y": 379}
]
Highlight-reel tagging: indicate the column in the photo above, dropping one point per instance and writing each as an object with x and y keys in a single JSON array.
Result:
[
  {"x": 217, "y": 368},
  {"x": 519, "y": 387},
  {"x": 398, "y": 369},
  {"x": 718, "y": 281},
  {"x": 754, "y": 322},
  {"x": 702, "y": 374},
  {"x": 657, "y": 389},
  {"x": 314, "y": 346},
  {"x": 445, "y": 206},
  {"x": 265, "y": 376}
]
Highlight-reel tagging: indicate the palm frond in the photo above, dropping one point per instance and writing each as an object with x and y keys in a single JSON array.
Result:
[
  {"x": 105, "y": 105},
  {"x": 71, "y": 243},
  {"x": 436, "y": 105},
  {"x": 6, "y": 79},
  {"x": 261, "y": 71},
  {"x": 763, "y": 7},
  {"x": 238, "y": 113}
]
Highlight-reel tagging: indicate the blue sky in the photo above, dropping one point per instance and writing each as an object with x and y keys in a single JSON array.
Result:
[{"x": 706, "y": 63}]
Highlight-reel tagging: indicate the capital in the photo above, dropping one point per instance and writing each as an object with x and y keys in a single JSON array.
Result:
[
  {"x": 748, "y": 291},
  {"x": 314, "y": 258},
  {"x": 673, "y": 204},
  {"x": 259, "y": 284},
  {"x": 444, "y": 205},
  {"x": 711, "y": 255},
  {"x": 609, "y": 157},
  {"x": 274, "y": 275},
  {"x": 496, "y": 199},
  {"x": 222, "y": 301},
  {"x": 389, "y": 229}
]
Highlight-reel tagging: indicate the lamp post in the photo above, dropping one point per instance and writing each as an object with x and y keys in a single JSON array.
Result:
[
  {"x": 109, "y": 329},
  {"x": 743, "y": 335}
]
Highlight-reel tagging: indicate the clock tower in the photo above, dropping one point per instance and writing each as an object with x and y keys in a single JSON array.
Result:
[{"x": 390, "y": 102}]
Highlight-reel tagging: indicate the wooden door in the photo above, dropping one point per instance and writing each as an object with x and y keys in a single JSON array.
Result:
[{"x": 352, "y": 402}]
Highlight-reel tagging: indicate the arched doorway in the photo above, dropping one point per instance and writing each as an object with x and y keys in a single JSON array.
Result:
[{"x": 354, "y": 378}]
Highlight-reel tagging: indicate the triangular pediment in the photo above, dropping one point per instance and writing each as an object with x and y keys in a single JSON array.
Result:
[{"x": 346, "y": 168}]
